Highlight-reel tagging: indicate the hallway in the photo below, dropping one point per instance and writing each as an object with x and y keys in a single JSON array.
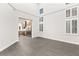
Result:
[{"x": 40, "y": 47}]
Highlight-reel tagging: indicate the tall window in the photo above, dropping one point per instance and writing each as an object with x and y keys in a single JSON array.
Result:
[
  {"x": 71, "y": 25},
  {"x": 41, "y": 27},
  {"x": 67, "y": 26},
  {"x": 41, "y": 11},
  {"x": 41, "y": 19},
  {"x": 74, "y": 26},
  {"x": 74, "y": 11},
  {"x": 68, "y": 13}
]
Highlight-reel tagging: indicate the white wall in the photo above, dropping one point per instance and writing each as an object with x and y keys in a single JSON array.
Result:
[
  {"x": 8, "y": 26},
  {"x": 54, "y": 28}
]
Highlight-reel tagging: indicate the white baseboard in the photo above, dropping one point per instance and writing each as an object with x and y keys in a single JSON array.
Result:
[
  {"x": 71, "y": 42},
  {"x": 8, "y": 45}
]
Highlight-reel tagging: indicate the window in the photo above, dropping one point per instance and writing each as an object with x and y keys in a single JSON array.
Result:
[
  {"x": 41, "y": 19},
  {"x": 74, "y": 11},
  {"x": 68, "y": 13},
  {"x": 41, "y": 27},
  {"x": 74, "y": 26},
  {"x": 41, "y": 11},
  {"x": 67, "y": 3},
  {"x": 67, "y": 26}
]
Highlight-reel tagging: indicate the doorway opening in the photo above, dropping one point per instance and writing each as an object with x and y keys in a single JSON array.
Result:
[{"x": 25, "y": 28}]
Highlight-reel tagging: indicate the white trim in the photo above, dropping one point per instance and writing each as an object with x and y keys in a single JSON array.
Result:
[
  {"x": 8, "y": 45},
  {"x": 56, "y": 39}
]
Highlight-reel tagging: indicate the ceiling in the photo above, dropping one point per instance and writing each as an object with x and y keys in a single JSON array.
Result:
[
  {"x": 26, "y": 7},
  {"x": 52, "y": 7},
  {"x": 32, "y": 7}
]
